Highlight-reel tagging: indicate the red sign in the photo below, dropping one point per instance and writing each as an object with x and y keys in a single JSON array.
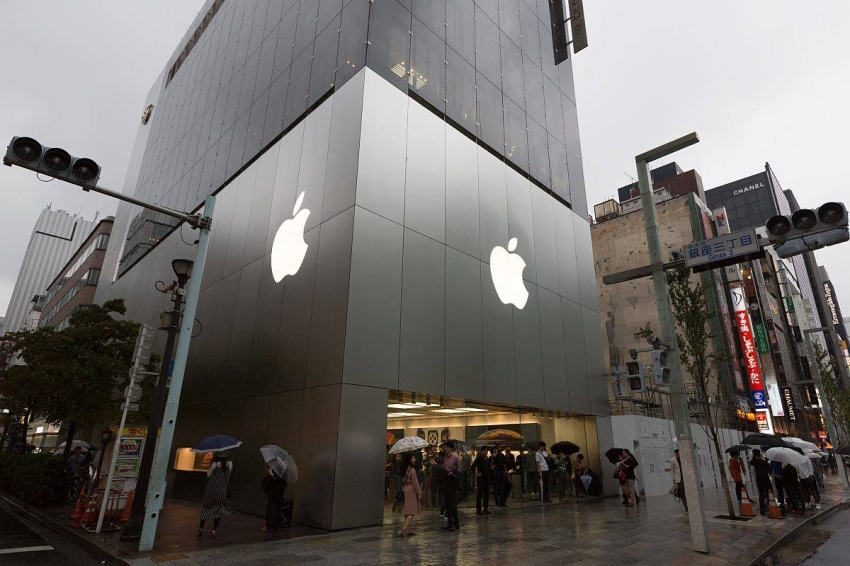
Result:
[
  {"x": 822, "y": 434},
  {"x": 761, "y": 419},
  {"x": 748, "y": 346},
  {"x": 813, "y": 434}
]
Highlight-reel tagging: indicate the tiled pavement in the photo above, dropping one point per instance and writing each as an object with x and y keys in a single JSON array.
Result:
[{"x": 590, "y": 533}]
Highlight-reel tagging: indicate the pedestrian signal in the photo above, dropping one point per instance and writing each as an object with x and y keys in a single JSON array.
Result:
[{"x": 634, "y": 375}]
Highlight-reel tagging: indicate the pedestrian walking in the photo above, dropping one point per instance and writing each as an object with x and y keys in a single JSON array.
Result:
[
  {"x": 452, "y": 466},
  {"x": 482, "y": 468},
  {"x": 543, "y": 461},
  {"x": 678, "y": 478},
  {"x": 762, "y": 473},
  {"x": 274, "y": 486},
  {"x": 628, "y": 465},
  {"x": 216, "y": 502},
  {"x": 510, "y": 468},
  {"x": 412, "y": 493},
  {"x": 579, "y": 470}
]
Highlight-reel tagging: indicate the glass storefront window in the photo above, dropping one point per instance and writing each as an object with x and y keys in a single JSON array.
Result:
[{"x": 518, "y": 432}]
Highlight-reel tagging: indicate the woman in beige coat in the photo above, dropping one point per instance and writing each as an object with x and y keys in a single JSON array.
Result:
[{"x": 412, "y": 493}]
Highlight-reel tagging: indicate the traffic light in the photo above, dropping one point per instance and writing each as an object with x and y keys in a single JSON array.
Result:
[
  {"x": 660, "y": 371},
  {"x": 634, "y": 374},
  {"x": 52, "y": 161},
  {"x": 808, "y": 229}
]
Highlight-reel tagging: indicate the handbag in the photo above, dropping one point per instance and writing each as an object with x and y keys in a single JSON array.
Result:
[
  {"x": 399, "y": 496},
  {"x": 674, "y": 490}
]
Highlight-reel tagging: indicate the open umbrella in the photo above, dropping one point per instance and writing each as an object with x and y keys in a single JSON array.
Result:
[
  {"x": 786, "y": 456},
  {"x": 457, "y": 445},
  {"x": 501, "y": 436},
  {"x": 737, "y": 448},
  {"x": 766, "y": 440},
  {"x": 217, "y": 443},
  {"x": 565, "y": 447},
  {"x": 613, "y": 454},
  {"x": 408, "y": 444},
  {"x": 276, "y": 457},
  {"x": 843, "y": 450},
  {"x": 74, "y": 443},
  {"x": 812, "y": 455},
  {"x": 800, "y": 443}
]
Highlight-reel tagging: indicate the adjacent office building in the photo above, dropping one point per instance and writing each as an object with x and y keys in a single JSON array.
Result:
[
  {"x": 400, "y": 243},
  {"x": 55, "y": 237},
  {"x": 75, "y": 283}
]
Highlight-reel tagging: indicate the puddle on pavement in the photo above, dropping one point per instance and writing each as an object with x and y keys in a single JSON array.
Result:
[{"x": 797, "y": 550}]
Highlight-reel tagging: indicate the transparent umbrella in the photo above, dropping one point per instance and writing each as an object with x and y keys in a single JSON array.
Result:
[
  {"x": 276, "y": 457},
  {"x": 786, "y": 456}
]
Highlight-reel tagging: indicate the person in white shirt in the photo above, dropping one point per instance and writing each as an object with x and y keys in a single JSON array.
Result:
[
  {"x": 542, "y": 459},
  {"x": 808, "y": 484}
]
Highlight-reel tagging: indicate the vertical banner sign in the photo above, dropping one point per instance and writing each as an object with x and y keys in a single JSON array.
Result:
[
  {"x": 790, "y": 406},
  {"x": 761, "y": 338},
  {"x": 761, "y": 419},
  {"x": 748, "y": 347},
  {"x": 577, "y": 24}
]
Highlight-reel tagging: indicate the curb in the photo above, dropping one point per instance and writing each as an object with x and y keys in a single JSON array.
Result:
[
  {"x": 73, "y": 536},
  {"x": 797, "y": 530}
]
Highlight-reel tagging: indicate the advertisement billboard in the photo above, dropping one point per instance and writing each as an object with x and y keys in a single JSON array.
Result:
[{"x": 748, "y": 347}]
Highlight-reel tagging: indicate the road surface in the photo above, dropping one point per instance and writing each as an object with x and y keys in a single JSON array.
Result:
[{"x": 24, "y": 543}]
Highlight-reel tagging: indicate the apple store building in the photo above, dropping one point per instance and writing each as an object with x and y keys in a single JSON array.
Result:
[{"x": 400, "y": 244}]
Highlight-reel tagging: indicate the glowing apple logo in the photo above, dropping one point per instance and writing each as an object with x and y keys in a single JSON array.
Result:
[
  {"x": 506, "y": 270},
  {"x": 289, "y": 247}
]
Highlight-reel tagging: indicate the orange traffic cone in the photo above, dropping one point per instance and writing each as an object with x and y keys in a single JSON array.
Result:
[
  {"x": 125, "y": 514},
  {"x": 79, "y": 509},
  {"x": 773, "y": 509},
  {"x": 92, "y": 511},
  {"x": 746, "y": 506}
]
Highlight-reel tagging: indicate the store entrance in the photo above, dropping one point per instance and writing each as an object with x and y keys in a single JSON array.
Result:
[{"x": 472, "y": 426}]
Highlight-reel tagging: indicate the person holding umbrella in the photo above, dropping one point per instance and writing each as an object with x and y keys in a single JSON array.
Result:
[
  {"x": 274, "y": 483},
  {"x": 762, "y": 471},
  {"x": 452, "y": 465},
  {"x": 216, "y": 502},
  {"x": 412, "y": 492},
  {"x": 482, "y": 469},
  {"x": 736, "y": 469}
]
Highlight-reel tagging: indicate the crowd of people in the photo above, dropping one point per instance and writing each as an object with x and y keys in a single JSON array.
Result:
[
  {"x": 441, "y": 478},
  {"x": 795, "y": 487}
]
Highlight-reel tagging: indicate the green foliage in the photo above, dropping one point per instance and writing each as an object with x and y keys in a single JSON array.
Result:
[
  {"x": 69, "y": 375},
  {"x": 838, "y": 398},
  {"x": 38, "y": 479}
]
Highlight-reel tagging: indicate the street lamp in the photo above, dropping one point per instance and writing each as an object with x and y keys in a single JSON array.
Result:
[
  {"x": 171, "y": 323},
  {"x": 83, "y": 172},
  {"x": 678, "y": 397}
]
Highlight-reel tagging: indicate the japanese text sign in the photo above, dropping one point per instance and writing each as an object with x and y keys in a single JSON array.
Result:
[
  {"x": 748, "y": 347},
  {"x": 720, "y": 248}
]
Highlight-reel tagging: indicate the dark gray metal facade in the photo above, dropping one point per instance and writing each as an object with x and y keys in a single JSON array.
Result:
[{"x": 395, "y": 290}]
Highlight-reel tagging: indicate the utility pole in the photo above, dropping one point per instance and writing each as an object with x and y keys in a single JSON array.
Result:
[{"x": 678, "y": 398}]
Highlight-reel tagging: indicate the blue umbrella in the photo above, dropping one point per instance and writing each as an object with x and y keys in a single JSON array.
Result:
[{"x": 217, "y": 443}]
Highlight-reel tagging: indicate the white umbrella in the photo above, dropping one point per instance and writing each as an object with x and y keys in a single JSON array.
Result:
[
  {"x": 785, "y": 456},
  {"x": 800, "y": 443},
  {"x": 812, "y": 455},
  {"x": 409, "y": 444}
]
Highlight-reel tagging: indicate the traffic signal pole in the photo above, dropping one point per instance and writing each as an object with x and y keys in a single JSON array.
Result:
[{"x": 678, "y": 398}]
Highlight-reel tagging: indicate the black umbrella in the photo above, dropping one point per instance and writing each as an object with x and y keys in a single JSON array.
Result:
[
  {"x": 764, "y": 440},
  {"x": 613, "y": 454},
  {"x": 737, "y": 448},
  {"x": 843, "y": 450},
  {"x": 565, "y": 447}
]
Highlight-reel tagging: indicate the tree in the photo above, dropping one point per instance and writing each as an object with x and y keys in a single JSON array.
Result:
[
  {"x": 838, "y": 398},
  {"x": 69, "y": 375},
  {"x": 692, "y": 317}
]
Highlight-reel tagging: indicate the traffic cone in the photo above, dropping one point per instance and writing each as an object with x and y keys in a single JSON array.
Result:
[
  {"x": 125, "y": 513},
  {"x": 746, "y": 506},
  {"x": 92, "y": 511},
  {"x": 773, "y": 509},
  {"x": 79, "y": 509}
]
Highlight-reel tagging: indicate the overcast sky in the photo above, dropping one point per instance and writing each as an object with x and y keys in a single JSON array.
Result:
[{"x": 764, "y": 80}]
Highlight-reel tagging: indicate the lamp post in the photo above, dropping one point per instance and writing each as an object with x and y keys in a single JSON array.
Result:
[
  {"x": 678, "y": 397},
  {"x": 133, "y": 529}
]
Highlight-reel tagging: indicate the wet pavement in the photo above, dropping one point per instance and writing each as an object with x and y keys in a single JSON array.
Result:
[
  {"x": 590, "y": 532},
  {"x": 823, "y": 544}
]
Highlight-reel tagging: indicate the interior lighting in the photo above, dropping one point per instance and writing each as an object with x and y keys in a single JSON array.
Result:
[{"x": 404, "y": 414}]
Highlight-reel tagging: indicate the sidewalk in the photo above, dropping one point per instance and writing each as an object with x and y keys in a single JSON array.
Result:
[{"x": 590, "y": 532}]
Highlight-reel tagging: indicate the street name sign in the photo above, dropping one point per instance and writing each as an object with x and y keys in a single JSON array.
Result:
[{"x": 722, "y": 248}]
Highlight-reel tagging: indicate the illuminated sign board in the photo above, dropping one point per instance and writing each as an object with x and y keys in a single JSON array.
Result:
[{"x": 748, "y": 347}]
